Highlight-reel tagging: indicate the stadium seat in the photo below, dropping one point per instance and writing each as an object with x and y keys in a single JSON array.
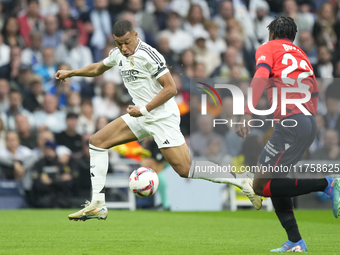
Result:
[
  {"x": 12, "y": 195},
  {"x": 120, "y": 181}
]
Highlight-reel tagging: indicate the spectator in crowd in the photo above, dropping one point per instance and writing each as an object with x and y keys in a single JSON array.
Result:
[
  {"x": 330, "y": 149},
  {"x": 74, "y": 54},
  {"x": 52, "y": 183},
  {"x": 102, "y": 32},
  {"x": 231, "y": 59},
  {"x": 324, "y": 67},
  {"x": 226, "y": 114},
  {"x": 143, "y": 19},
  {"x": 50, "y": 118},
  {"x": 69, "y": 25},
  {"x": 332, "y": 118},
  {"x": 102, "y": 121},
  {"x": 250, "y": 151},
  {"x": 182, "y": 97},
  {"x": 306, "y": 43},
  {"x": 179, "y": 40},
  {"x": 21, "y": 82},
  {"x": 195, "y": 21},
  {"x": 11, "y": 70},
  {"x": 304, "y": 21},
  {"x": 210, "y": 59},
  {"x": 245, "y": 48},
  {"x": 170, "y": 57},
  {"x": 80, "y": 10},
  {"x": 62, "y": 90},
  {"x": 15, "y": 108},
  {"x": 261, "y": 21},
  {"x": 34, "y": 99},
  {"x": 215, "y": 43},
  {"x": 15, "y": 158},
  {"x": 320, "y": 133},
  {"x": 87, "y": 119},
  {"x": 323, "y": 30},
  {"x": 73, "y": 103},
  {"x": 83, "y": 182},
  {"x": 48, "y": 7},
  {"x": 11, "y": 33},
  {"x": 4, "y": 98},
  {"x": 245, "y": 13},
  {"x": 32, "y": 55},
  {"x": 187, "y": 62},
  {"x": 30, "y": 21},
  {"x": 5, "y": 52},
  {"x": 183, "y": 7},
  {"x": 43, "y": 137},
  {"x": 47, "y": 68},
  {"x": 69, "y": 137},
  {"x": 214, "y": 153},
  {"x": 143, "y": 34},
  {"x": 191, "y": 117},
  {"x": 52, "y": 35},
  {"x": 226, "y": 12},
  {"x": 334, "y": 88},
  {"x": 2, "y": 16},
  {"x": 200, "y": 139},
  {"x": 160, "y": 13},
  {"x": 106, "y": 104},
  {"x": 27, "y": 135},
  {"x": 200, "y": 71},
  {"x": 2, "y": 134}
]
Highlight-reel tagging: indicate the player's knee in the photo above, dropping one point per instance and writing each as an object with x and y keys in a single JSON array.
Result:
[{"x": 95, "y": 141}]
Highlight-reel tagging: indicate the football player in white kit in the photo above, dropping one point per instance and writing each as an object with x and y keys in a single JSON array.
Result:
[{"x": 155, "y": 113}]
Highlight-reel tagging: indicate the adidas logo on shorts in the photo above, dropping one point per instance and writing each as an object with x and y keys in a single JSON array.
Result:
[{"x": 166, "y": 142}]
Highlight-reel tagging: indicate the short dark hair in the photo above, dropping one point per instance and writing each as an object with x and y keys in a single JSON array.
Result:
[
  {"x": 32, "y": 1},
  {"x": 121, "y": 27},
  {"x": 72, "y": 115},
  {"x": 283, "y": 27}
]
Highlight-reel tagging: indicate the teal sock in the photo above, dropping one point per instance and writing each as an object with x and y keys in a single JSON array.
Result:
[{"x": 162, "y": 188}]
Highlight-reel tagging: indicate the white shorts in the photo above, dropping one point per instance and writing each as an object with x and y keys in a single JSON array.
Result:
[{"x": 166, "y": 131}]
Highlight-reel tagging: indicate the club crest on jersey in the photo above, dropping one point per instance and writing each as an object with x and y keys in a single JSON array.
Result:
[{"x": 132, "y": 62}]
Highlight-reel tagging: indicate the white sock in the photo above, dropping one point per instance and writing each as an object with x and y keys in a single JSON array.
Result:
[{"x": 99, "y": 163}]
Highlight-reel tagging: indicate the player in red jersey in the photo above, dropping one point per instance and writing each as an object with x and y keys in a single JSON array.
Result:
[{"x": 282, "y": 66}]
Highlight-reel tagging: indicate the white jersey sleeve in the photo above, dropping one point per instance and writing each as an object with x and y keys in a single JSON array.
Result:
[
  {"x": 155, "y": 62},
  {"x": 111, "y": 60}
]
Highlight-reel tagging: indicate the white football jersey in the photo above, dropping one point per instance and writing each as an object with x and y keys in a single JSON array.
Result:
[{"x": 140, "y": 72}]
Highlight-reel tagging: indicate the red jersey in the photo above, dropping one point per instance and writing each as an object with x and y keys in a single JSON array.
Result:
[{"x": 288, "y": 66}]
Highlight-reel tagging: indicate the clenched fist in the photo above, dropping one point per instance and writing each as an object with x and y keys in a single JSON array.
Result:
[
  {"x": 62, "y": 75},
  {"x": 134, "y": 111}
]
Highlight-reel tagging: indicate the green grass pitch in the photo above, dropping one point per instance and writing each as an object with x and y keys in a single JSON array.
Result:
[{"x": 147, "y": 232}]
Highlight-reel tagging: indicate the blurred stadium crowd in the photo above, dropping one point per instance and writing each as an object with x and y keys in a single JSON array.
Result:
[{"x": 45, "y": 126}]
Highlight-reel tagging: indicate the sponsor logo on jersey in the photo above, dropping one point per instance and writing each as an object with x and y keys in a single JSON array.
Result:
[
  {"x": 129, "y": 75},
  {"x": 289, "y": 47},
  {"x": 263, "y": 58},
  {"x": 120, "y": 63}
]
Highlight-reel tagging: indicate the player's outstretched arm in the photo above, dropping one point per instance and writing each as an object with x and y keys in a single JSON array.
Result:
[{"x": 92, "y": 70}]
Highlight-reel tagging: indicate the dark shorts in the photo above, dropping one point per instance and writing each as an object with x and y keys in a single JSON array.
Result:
[
  {"x": 287, "y": 144},
  {"x": 155, "y": 151}
]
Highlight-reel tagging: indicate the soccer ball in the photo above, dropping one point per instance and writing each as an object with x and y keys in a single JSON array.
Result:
[{"x": 143, "y": 182}]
